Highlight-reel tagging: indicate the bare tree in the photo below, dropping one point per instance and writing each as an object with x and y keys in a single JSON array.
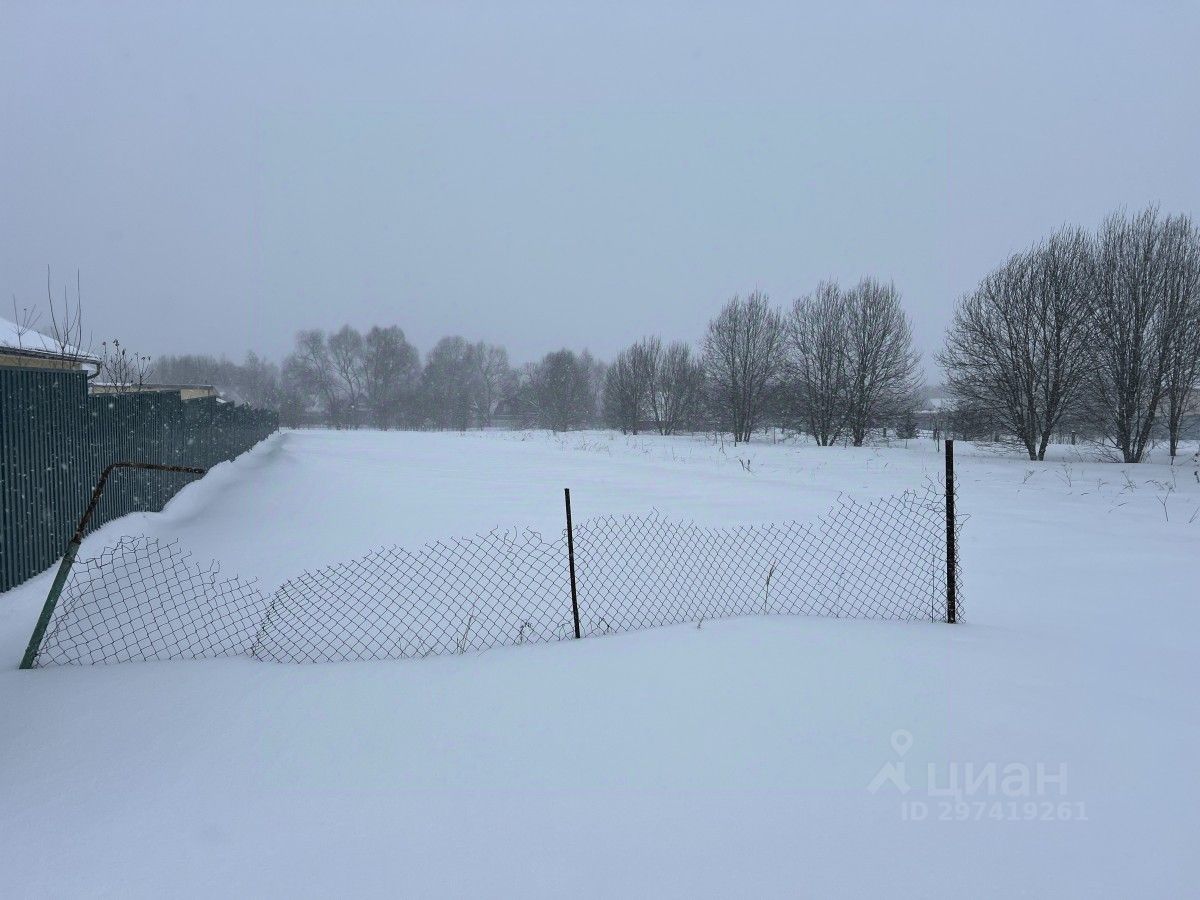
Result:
[
  {"x": 66, "y": 324},
  {"x": 595, "y": 370},
  {"x": 1129, "y": 347},
  {"x": 256, "y": 382},
  {"x": 65, "y": 340},
  {"x": 743, "y": 351},
  {"x": 450, "y": 383},
  {"x": 1182, "y": 320},
  {"x": 123, "y": 371},
  {"x": 1016, "y": 353},
  {"x": 391, "y": 372},
  {"x": 495, "y": 380},
  {"x": 311, "y": 369},
  {"x": 818, "y": 363},
  {"x": 346, "y": 354},
  {"x": 562, "y": 390},
  {"x": 624, "y": 392},
  {"x": 25, "y": 327},
  {"x": 646, "y": 360},
  {"x": 678, "y": 388},
  {"x": 883, "y": 366}
]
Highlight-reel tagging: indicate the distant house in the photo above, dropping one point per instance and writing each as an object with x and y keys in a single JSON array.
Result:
[
  {"x": 24, "y": 348},
  {"x": 185, "y": 391},
  {"x": 933, "y": 413}
]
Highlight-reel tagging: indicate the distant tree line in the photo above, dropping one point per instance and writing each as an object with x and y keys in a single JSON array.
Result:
[
  {"x": 1098, "y": 333},
  {"x": 841, "y": 363},
  {"x": 254, "y": 382},
  {"x": 348, "y": 379},
  {"x": 1095, "y": 333}
]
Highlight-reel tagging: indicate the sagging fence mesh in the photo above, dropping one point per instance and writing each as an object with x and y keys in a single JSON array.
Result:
[{"x": 147, "y": 600}]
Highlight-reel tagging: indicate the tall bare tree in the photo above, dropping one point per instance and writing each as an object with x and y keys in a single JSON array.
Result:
[
  {"x": 624, "y": 393},
  {"x": 1017, "y": 351},
  {"x": 646, "y": 361},
  {"x": 1182, "y": 368},
  {"x": 450, "y": 384},
  {"x": 678, "y": 389},
  {"x": 1133, "y": 333},
  {"x": 743, "y": 352},
  {"x": 391, "y": 372},
  {"x": 310, "y": 368},
  {"x": 818, "y": 362},
  {"x": 494, "y": 378},
  {"x": 66, "y": 324},
  {"x": 346, "y": 354},
  {"x": 561, "y": 390},
  {"x": 884, "y": 369}
]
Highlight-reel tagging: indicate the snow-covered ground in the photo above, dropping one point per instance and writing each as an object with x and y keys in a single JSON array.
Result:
[{"x": 737, "y": 758}]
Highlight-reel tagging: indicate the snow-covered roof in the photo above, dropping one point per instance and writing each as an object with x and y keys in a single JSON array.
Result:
[
  {"x": 937, "y": 404},
  {"x": 12, "y": 338}
]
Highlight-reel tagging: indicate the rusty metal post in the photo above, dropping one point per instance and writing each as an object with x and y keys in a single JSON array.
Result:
[{"x": 571, "y": 561}]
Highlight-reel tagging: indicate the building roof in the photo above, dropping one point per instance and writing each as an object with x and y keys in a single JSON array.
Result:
[
  {"x": 34, "y": 343},
  {"x": 155, "y": 386}
]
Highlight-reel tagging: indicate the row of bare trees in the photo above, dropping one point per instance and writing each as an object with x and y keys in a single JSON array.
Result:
[
  {"x": 350, "y": 379},
  {"x": 652, "y": 385},
  {"x": 839, "y": 364},
  {"x": 1096, "y": 331},
  {"x": 1093, "y": 332},
  {"x": 378, "y": 379}
]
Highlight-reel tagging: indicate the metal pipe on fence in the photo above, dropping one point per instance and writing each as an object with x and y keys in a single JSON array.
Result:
[
  {"x": 571, "y": 561},
  {"x": 64, "y": 567},
  {"x": 951, "y": 548}
]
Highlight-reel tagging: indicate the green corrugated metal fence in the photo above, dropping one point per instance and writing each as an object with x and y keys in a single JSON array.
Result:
[{"x": 55, "y": 439}]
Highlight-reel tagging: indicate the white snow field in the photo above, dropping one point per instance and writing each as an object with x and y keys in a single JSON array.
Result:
[{"x": 750, "y": 757}]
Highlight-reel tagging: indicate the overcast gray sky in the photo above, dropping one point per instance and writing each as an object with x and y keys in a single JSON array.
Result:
[{"x": 541, "y": 175}]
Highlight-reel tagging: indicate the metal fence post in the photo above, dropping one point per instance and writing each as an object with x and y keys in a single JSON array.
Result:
[
  {"x": 60, "y": 577},
  {"x": 571, "y": 561},
  {"x": 951, "y": 549}
]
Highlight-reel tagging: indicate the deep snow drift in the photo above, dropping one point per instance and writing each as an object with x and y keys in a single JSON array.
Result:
[{"x": 735, "y": 758}]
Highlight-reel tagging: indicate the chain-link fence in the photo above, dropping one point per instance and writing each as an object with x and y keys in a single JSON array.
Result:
[{"x": 145, "y": 600}]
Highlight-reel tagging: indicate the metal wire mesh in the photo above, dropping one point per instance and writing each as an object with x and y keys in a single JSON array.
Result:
[
  {"x": 448, "y": 597},
  {"x": 878, "y": 560},
  {"x": 142, "y": 599}
]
